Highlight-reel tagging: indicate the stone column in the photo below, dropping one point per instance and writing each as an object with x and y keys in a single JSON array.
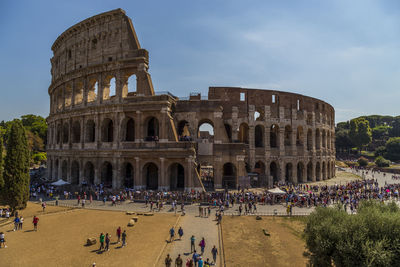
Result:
[
  {"x": 97, "y": 172},
  {"x": 73, "y": 88},
  {"x": 138, "y": 181},
  {"x": 117, "y": 130},
  {"x": 218, "y": 172},
  {"x": 163, "y": 129},
  {"x": 116, "y": 180},
  {"x": 281, "y": 140},
  {"x": 190, "y": 176},
  {"x": 294, "y": 173},
  {"x": 100, "y": 89},
  {"x": 294, "y": 142},
  {"x": 85, "y": 91},
  {"x": 162, "y": 180},
  {"x": 138, "y": 127},
  {"x": 267, "y": 142},
  {"x": 82, "y": 122},
  {"x": 82, "y": 172},
  {"x": 63, "y": 97},
  {"x": 235, "y": 125},
  {"x": 98, "y": 131}
]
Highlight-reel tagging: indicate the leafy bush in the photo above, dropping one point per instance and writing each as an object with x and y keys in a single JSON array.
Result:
[
  {"x": 393, "y": 148},
  {"x": 39, "y": 157},
  {"x": 380, "y": 151},
  {"x": 369, "y": 238},
  {"x": 382, "y": 162},
  {"x": 363, "y": 162}
]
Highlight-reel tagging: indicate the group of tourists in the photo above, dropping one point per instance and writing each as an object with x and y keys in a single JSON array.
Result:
[
  {"x": 105, "y": 240},
  {"x": 196, "y": 260}
]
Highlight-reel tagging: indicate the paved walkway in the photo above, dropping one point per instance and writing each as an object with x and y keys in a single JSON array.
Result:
[{"x": 199, "y": 227}]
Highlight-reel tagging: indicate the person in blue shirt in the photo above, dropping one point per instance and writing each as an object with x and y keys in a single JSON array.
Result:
[
  {"x": 16, "y": 223},
  {"x": 171, "y": 234}
]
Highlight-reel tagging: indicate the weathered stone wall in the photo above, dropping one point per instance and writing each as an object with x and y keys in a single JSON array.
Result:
[{"x": 133, "y": 137}]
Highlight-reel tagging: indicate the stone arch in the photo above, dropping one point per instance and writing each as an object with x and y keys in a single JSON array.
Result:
[
  {"x": 288, "y": 135},
  {"x": 183, "y": 131},
  {"x": 205, "y": 130},
  {"x": 309, "y": 140},
  {"x": 107, "y": 130},
  {"x": 107, "y": 174},
  {"x": 259, "y": 114},
  {"x": 317, "y": 139},
  {"x": 56, "y": 165},
  {"x": 328, "y": 169},
  {"x": 244, "y": 133},
  {"x": 152, "y": 128},
  {"x": 273, "y": 170},
  {"x": 60, "y": 99},
  {"x": 110, "y": 87},
  {"x": 309, "y": 172},
  {"x": 176, "y": 176},
  {"x": 318, "y": 171},
  {"x": 229, "y": 175},
  {"x": 75, "y": 173},
  {"x": 68, "y": 95},
  {"x": 206, "y": 172},
  {"x": 128, "y": 130},
  {"x": 59, "y": 134},
  {"x": 90, "y": 131},
  {"x": 323, "y": 139},
  {"x": 64, "y": 170},
  {"x": 150, "y": 176},
  {"x": 228, "y": 129},
  {"x": 89, "y": 173},
  {"x": 323, "y": 170},
  {"x": 78, "y": 93},
  {"x": 299, "y": 136},
  {"x": 274, "y": 133},
  {"x": 93, "y": 89},
  {"x": 259, "y": 168},
  {"x": 300, "y": 172},
  {"x": 131, "y": 85},
  {"x": 289, "y": 172},
  {"x": 128, "y": 175},
  {"x": 259, "y": 136},
  {"x": 76, "y": 132},
  {"x": 65, "y": 133}
]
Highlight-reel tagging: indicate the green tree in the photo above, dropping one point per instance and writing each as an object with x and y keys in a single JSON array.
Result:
[
  {"x": 360, "y": 132},
  {"x": 363, "y": 162},
  {"x": 393, "y": 148},
  {"x": 395, "y": 131},
  {"x": 380, "y": 151},
  {"x": 343, "y": 141},
  {"x": 382, "y": 162},
  {"x": 15, "y": 191},
  {"x": 1, "y": 162},
  {"x": 380, "y": 132},
  {"x": 35, "y": 124}
]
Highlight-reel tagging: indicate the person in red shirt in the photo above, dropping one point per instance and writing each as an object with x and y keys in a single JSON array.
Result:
[
  {"x": 119, "y": 233},
  {"x": 35, "y": 222}
]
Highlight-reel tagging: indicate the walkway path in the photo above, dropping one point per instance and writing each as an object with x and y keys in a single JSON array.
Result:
[{"x": 199, "y": 227}]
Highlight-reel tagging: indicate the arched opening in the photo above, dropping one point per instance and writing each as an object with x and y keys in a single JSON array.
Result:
[
  {"x": 130, "y": 130},
  {"x": 309, "y": 172},
  {"x": 152, "y": 129},
  {"x": 56, "y": 170},
  {"x": 132, "y": 84},
  {"x": 107, "y": 174},
  {"x": 259, "y": 168},
  {"x": 64, "y": 171},
  {"x": 93, "y": 90},
  {"x": 68, "y": 95},
  {"x": 76, "y": 132},
  {"x": 206, "y": 131},
  {"x": 90, "y": 131},
  {"x": 288, "y": 135},
  {"x": 318, "y": 171},
  {"x": 150, "y": 173},
  {"x": 324, "y": 170},
  {"x": 273, "y": 139},
  {"x": 60, "y": 98},
  {"x": 107, "y": 131},
  {"x": 228, "y": 130},
  {"x": 206, "y": 172},
  {"x": 329, "y": 170},
  {"x": 229, "y": 176},
  {"x": 273, "y": 170},
  {"x": 58, "y": 134},
  {"x": 300, "y": 172},
  {"x": 309, "y": 140},
  {"x": 128, "y": 175},
  {"x": 112, "y": 88},
  {"x": 244, "y": 133},
  {"x": 299, "y": 136},
  {"x": 65, "y": 133},
  {"x": 78, "y": 93},
  {"x": 75, "y": 173},
  {"x": 259, "y": 115},
  {"x": 259, "y": 136},
  {"x": 177, "y": 177},
  {"x": 289, "y": 172},
  {"x": 323, "y": 139},
  {"x": 317, "y": 139},
  {"x": 89, "y": 173},
  {"x": 183, "y": 131}
]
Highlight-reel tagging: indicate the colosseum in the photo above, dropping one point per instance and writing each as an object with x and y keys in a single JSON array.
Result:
[{"x": 108, "y": 125}]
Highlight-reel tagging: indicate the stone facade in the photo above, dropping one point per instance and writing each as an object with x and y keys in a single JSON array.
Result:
[{"x": 107, "y": 125}]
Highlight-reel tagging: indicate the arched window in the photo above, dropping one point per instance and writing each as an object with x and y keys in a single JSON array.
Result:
[
  {"x": 317, "y": 139},
  {"x": 288, "y": 135},
  {"x": 259, "y": 136},
  {"x": 318, "y": 171},
  {"x": 107, "y": 132},
  {"x": 274, "y": 135},
  {"x": 75, "y": 173},
  {"x": 128, "y": 175},
  {"x": 107, "y": 174},
  {"x": 289, "y": 172},
  {"x": 76, "y": 132},
  {"x": 206, "y": 130},
  {"x": 309, "y": 172},
  {"x": 229, "y": 176},
  {"x": 89, "y": 173},
  {"x": 183, "y": 131},
  {"x": 90, "y": 131},
  {"x": 244, "y": 133},
  {"x": 130, "y": 130},
  {"x": 152, "y": 129},
  {"x": 150, "y": 175},
  {"x": 64, "y": 170},
  {"x": 78, "y": 93},
  {"x": 65, "y": 133},
  {"x": 93, "y": 90},
  {"x": 309, "y": 140},
  {"x": 273, "y": 170},
  {"x": 300, "y": 172},
  {"x": 299, "y": 136},
  {"x": 177, "y": 177}
]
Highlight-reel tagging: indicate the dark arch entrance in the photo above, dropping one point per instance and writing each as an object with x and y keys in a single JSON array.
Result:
[
  {"x": 128, "y": 175},
  {"x": 273, "y": 170},
  {"x": 130, "y": 130},
  {"x": 75, "y": 173},
  {"x": 107, "y": 174},
  {"x": 318, "y": 171},
  {"x": 309, "y": 172},
  {"x": 152, "y": 128},
  {"x": 229, "y": 176},
  {"x": 177, "y": 177},
  {"x": 206, "y": 172},
  {"x": 300, "y": 172},
  {"x": 150, "y": 172},
  {"x": 289, "y": 172},
  {"x": 64, "y": 170},
  {"x": 107, "y": 131},
  {"x": 89, "y": 173},
  {"x": 259, "y": 136}
]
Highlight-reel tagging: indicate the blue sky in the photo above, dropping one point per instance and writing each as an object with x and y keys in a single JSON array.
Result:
[{"x": 346, "y": 53}]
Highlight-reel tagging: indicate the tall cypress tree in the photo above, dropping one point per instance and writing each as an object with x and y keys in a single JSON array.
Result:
[{"x": 16, "y": 168}]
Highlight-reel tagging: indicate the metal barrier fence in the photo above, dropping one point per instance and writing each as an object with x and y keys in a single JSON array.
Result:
[{"x": 269, "y": 213}]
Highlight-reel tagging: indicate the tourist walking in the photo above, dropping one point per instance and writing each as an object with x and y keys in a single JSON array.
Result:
[
  {"x": 195, "y": 258},
  {"x": 107, "y": 242},
  {"x": 178, "y": 261},
  {"x": 171, "y": 234},
  {"x": 168, "y": 261},
  {"x": 189, "y": 263},
  {"x": 124, "y": 238},
  {"x": 180, "y": 232},
  {"x": 21, "y": 221},
  {"x": 192, "y": 244},
  {"x": 2, "y": 240},
  {"x": 101, "y": 241},
  {"x": 119, "y": 234},
  {"x": 35, "y": 222},
  {"x": 16, "y": 223},
  {"x": 214, "y": 252},
  {"x": 202, "y": 245},
  {"x": 44, "y": 206}
]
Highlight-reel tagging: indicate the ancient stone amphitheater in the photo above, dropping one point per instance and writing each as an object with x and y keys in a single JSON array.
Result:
[{"x": 108, "y": 125}]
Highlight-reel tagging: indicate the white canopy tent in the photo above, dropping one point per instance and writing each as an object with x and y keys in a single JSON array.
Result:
[
  {"x": 276, "y": 191},
  {"x": 59, "y": 183}
]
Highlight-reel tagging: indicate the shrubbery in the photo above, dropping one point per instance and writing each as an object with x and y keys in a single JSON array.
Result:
[
  {"x": 382, "y": 162},
  {"x": 369, "y": 238},
  {"x": 363, "y": 162}
]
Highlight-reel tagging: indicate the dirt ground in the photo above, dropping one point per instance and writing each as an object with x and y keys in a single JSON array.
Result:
[
  {"x": 246, "y": 245},
  {"x": 61, "y": 238},
  {"x": 341, "y": 177}
]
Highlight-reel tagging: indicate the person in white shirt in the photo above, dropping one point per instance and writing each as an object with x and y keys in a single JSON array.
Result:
[{"x": 2, "y": 240}]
